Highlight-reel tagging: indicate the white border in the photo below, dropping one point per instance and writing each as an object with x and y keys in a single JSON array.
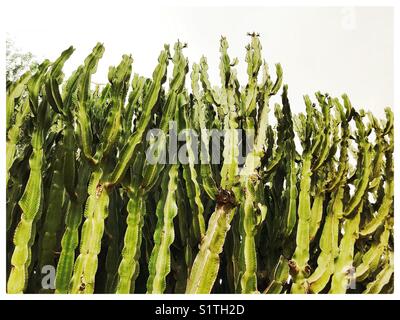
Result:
[{"x": 10, "y": 6}]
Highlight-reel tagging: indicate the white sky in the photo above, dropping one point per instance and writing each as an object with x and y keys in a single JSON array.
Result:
[{"x": 334, "y": 50}]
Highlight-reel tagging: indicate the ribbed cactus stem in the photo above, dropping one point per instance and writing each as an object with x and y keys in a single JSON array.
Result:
[
  {"x": 70, "y": 238},
  {"x": 206, "y": 264},
  {"x": 53, "y": 215},
  {"x": 96, "y": 211},
  {"x": 160, "y": 260},
  {"x": 31, "y": 204},
  {"x": 13, "y": 136},
  {"x": 128, "y": 269},
  {"x": 344, "y": 272},
  {"x": 299, "y": 263},
  {"x": 248, "y": 253}
]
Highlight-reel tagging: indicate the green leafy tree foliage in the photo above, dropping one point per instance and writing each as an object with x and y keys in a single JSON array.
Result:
[{"x": 18, "y": 62}]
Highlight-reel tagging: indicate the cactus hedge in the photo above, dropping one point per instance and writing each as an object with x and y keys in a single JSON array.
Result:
[{"x": 306, "y": 208}]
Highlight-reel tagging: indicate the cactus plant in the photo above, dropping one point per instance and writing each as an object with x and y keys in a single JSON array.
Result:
[{"x": 234, "y": 201}]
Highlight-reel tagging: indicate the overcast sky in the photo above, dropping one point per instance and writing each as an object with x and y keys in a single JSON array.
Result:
[{"x": 334, "y": 50}]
